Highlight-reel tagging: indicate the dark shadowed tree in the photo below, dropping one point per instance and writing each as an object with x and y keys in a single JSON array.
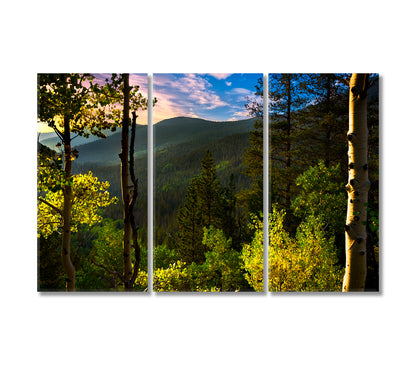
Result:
[
  {"x": 118, "y": 92},
  {"x": 70, "y": 105},
  {"x": 326, "y": 118}
]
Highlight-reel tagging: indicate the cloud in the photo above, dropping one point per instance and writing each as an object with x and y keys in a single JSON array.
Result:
[
  {"x": 240, "y": 91},
  {"x": 167, "y": 107},
  {"x": 241, "y": 113},
  {"x": 220, "y": 75},
  {"x": 141, "y": 81},
  {"x": 179, "y": 95}
]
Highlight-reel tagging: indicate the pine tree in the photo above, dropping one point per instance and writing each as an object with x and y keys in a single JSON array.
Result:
[
  {"x": 229, "y": 215},
  {"x": 203, "y": 207},
  {"x": 253, "y": 157},
  {"x": 325, "y": 120},
  {"x": 287, "y": 95},
  {"x": 209, "y": 192},
  {"x": 190, "y": 248}
]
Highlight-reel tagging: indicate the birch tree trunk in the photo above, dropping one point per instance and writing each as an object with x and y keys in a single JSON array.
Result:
[
  {"x": 67, "y": 211},
  {"x": 125, "y": 190},
  {"x": 357, "y": 187}
]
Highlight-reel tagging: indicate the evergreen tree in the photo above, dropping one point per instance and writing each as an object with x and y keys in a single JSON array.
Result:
[
  {"x": 204, "y": 206},
  {"x": 287, "y": 94},
  {"x": 209, "y": 193},
  {"x": 190, "y": 248},
  {"x": 253, "y": 157},
  {"x": 230, "y": 217},
  {"x": 325, "y": 120}
]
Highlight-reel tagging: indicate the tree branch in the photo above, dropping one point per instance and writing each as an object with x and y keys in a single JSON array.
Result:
[
  {"x": 75, "y": 137},
  {"x": 112, "y": 272},
  {"x": 50, "y": 205},
  {"x": 58, "y": 132}
]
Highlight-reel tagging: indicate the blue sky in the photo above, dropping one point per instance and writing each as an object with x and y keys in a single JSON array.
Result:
[{"x": 217, "y": 97}]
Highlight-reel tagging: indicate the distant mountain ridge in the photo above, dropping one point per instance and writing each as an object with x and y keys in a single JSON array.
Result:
[
  {"x": 167, "y": 133},
  {"x": 50, "y": 139},
  {"x": 185, "y": 129}
]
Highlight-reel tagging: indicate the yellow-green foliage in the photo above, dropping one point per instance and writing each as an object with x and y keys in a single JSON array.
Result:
[
  {"x": 322, "y": 194},
  {"x": 175, "y": 278},
  {"x": 252, "y": 257},
  {"x": 304, "y": 263},
  {"x": 141, "y": 280},
  {"x": 222, "y": 264},
  {"x": 89, "y": 195},
  {"x": 221, "y": 270}
]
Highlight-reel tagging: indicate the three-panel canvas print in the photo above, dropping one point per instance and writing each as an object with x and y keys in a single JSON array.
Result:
[{"x": 241, "y": 183}]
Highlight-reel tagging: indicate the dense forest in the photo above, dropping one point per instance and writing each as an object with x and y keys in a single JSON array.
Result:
[
  {"x": 312, "y": 138},
  {"x": 208, "y": 189}
]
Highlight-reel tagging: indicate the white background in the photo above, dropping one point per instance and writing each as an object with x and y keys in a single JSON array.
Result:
[{"x": 206, "y": 333}]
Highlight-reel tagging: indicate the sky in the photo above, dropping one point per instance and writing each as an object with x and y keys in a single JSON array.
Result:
[
  {"x": 134, "y": 80},
  {"x": 216, "y": 97},
  {"x": 219, "y": 36}
]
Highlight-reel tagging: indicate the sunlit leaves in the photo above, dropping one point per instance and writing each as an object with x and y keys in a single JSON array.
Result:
[
  {"x": 175, "y": 278},
  {"x": 304, "y": 263},
  {"x": 89, "y": 195},
  {"x": 252, "y": 256},
  {"x": 221, "y": 270},
  {"x": 50, "y": 174},
  {"x": 89, "y": 106}
]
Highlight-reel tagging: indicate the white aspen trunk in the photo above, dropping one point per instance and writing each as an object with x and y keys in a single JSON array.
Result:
[{"x": 357, "y": 187}]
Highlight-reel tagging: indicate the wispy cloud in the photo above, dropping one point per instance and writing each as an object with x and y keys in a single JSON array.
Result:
[
  {"x": 220, "y": 75},
  {"x": 179, "y": 95},
  {"x": 202, "y": 95},
  {"x": 240, "y": 91},
  {"x": 241, "y": 114}
]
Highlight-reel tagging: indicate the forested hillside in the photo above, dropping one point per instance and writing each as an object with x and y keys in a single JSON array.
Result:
[
  {"x": 180, "y": 145},
  {"x": 178, "y": 154},
  {"x": 208, "y": 189}
]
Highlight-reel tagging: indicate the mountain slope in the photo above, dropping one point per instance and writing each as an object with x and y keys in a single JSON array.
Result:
[
  {"x": 167, "y": 133},
  {"x": 183, "y": 129},
  {"x": 50, "y": 139}
]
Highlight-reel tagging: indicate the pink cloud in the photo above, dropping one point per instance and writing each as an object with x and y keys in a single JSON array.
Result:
[
  {"x": 220, "y": 75},
  {"x": 178, "y": 94}
]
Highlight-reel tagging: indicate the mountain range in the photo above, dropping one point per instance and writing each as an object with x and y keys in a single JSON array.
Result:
[{"x": 195, "y": 132}]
